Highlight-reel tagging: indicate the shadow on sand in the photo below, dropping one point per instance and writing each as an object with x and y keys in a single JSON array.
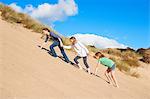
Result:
[
  {"x": 73, "y": 64},
  {"x": 60, "y": 57}
]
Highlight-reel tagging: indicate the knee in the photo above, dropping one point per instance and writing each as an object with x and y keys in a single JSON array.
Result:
[
  {"x": 75, "y": 59},
  {"x": 106, "y": 73},
  {"x": 51, "y": 47},
  {"x": 85, "y": 62}
]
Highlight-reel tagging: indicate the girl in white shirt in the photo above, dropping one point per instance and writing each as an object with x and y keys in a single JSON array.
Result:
[{"x": 82, "y": 52}]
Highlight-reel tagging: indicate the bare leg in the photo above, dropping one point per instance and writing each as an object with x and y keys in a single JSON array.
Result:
[
  {"x": 107, "y": 76},
  {"x": 96, "y": 70},
  {"x": 114, "y": 78},
  {"x": 110, "y": 78}
]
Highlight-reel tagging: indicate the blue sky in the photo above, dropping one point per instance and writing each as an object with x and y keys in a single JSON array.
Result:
[{"x": 126, "y": 21}]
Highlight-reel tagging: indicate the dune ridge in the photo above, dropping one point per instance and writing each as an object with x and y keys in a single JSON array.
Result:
[{"x": 30, "y": 73}]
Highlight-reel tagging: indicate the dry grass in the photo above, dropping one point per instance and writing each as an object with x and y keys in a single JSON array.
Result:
[
  {"x": 9, "y": 15},
  {"x": 130, "y": 58},
  {"x": 66, "y": 41},
  {"x": 135, "y": 74},
  {"x": 93, "y": 49},
  {"x": 146, "y": 56},
  {"x": 126, "y": 61},
  {"x": 125, "y": 67},
  {"x": 122, "y": 66},
  {"x": 112, "y": 52}
]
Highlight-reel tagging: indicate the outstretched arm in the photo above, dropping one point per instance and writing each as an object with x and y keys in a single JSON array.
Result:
[{"x": 67, "y": 47}]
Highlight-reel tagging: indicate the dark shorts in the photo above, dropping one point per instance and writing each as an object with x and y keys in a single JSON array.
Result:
[{"x": 112, "y": 68}]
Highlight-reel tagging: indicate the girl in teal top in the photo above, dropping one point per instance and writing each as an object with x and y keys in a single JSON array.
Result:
[
  {"x": 107, "y": 62},
  {"x": 110, "y": 64}
]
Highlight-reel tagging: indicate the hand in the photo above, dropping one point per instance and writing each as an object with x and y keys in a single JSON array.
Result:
[{"x": 88, "y": 54}]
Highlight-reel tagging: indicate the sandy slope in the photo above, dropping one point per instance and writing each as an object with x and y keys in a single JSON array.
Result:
[{"x": 30, "y": 73}]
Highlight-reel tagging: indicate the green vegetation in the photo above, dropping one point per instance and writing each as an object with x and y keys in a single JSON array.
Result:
[
  {"x": 66, "y": 41},
  {"x": 93, "y": 49},
  {"x": 121, "y": 65},
  {"x": 9, "y": 15},
  {"x": 113, "y": 52},
  {"x": 135, "y": 74},
  {"x": 130, "y": 58},
  {"x": 126, "y": 59},
  {"x": 145, "y": 53}
]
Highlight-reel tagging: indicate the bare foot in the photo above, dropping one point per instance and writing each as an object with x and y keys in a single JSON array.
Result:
[{"x": 116, "y": 86}]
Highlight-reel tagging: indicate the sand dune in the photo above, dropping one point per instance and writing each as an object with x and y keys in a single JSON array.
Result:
[{"x": 30, "y": 73}]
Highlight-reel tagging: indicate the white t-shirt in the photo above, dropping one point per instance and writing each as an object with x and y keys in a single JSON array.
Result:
[{"x": 79, "y": 48}]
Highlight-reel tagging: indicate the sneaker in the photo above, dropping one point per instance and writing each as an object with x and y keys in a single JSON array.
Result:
[
  {"x": 49, "y": 52},
  {"x": 67, "y": 61},
  {"x": 52, "y": 54}
]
